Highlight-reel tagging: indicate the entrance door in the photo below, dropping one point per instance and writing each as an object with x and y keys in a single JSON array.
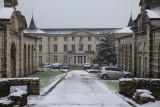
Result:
[{"x": 79, "y": 59}]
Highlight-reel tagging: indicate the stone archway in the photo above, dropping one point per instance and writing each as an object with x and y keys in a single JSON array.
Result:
[
  {"x": 13, "y": 60},
  {"x": 24, "y": 60}
]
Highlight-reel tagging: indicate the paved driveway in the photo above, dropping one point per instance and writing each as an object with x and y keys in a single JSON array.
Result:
[{"x": 78, "y": 89}]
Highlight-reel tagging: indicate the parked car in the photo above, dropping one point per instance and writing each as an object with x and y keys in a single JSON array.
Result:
[
  {"x": 55, "y": 66},
  {"x": 65, "y": 66},
  {"x": 113, "y": 72},
  {"x": 95, "y": 66},
  {"x": 86, "y": 66}
]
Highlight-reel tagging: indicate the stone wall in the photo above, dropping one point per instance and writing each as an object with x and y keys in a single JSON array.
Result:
[
  {"x": 128, "y": 87},
  {"x": 31, "y": 83}
]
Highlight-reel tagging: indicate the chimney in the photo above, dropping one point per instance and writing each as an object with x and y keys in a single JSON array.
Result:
[{"x": 10, "y": 3}]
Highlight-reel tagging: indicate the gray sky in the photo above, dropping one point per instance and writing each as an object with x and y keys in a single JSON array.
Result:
[{"x": 79, "y": 13}]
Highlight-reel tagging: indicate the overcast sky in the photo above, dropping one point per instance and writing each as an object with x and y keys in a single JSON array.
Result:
[{"x": 79, "y": 13}]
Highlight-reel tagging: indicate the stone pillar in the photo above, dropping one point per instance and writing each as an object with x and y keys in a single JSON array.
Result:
[
  {"x": 149, "y": 53},
  {"x": 8, "y": 56},
  {"x": 21, "y": 46}
]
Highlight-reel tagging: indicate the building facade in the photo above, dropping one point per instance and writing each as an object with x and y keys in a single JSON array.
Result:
[
  {"x": 18, "y": 54},
  {"x": 74, "y": 46},
  {"x": 139, "y": 52}
]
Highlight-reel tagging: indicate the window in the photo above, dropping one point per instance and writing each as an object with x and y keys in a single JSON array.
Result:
[
  {"x": 97, "y": 38},
  {"x": 55, "y": 48},
  {"x": 74, "y": 59},
  {"x": 73, "y": 38},
  {"x": 55, "y": 58},
  {"x": 109, "y": 69},
  {"x": 89, "y": 47},
  {"x": 73, "y": 47},
  {"x": 81, "y": 48},
  {"x": 40, "y": 59},
  {"x": 81, "y": 39},
  {"x": 65, "y": 38},
  {"x": 65, "y": 48},
  {"x": 117, "y": 69},
  {"x": 84, "y": 59},
  {"x": 55, "y": 38},
  {"x": 113, "y": 69},
  {"x": 65, "y": 59},
  {"x": 91, "y": 60},
  {"x": 89, "y": 38},
  {"x": 40, "y": 39},
  {"x": 40, "y": 48},
  {"x": 97, "y": 47}
]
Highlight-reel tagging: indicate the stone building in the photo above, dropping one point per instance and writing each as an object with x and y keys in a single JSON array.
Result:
[
  {"x": 18, "y": 54},
  {"x": 139, "y": 52},
  {"x": 74, "y": 46}
]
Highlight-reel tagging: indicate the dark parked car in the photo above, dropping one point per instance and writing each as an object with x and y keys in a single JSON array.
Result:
[
  {"x": 65, "y": 66},
  {"x": 95, "y": 66},
  {"x": 113, "y": 72}
]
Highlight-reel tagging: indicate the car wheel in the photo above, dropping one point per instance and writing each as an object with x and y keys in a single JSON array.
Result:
[
  {"x": 127, "y": 76},
  {"x": 104, "y": 77}
]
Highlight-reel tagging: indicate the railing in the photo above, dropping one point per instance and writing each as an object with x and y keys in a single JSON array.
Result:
[{"x": 81, "y": 52}]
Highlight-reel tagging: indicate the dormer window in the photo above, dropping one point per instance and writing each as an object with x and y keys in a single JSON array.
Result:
[
  {"x": 143, "y": 24},
  {"x": 148, "y": 7}
]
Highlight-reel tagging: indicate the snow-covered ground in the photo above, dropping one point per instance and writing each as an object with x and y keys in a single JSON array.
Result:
[{"x": 79, "y": 89}]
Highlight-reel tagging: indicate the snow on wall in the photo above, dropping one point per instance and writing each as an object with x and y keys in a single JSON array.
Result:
[
  {"x": 128, "y": 87},
  {"x": 7, "y": 84}
]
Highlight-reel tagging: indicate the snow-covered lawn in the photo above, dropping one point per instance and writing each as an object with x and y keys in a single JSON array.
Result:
[
  {"x": 113, "y": 84},
  {"x": 48, "y": 69},
  {"x": 46, "y": 78}
]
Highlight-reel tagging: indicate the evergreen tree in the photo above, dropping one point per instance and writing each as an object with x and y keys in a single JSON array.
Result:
[{"x": 107, "y": 50}]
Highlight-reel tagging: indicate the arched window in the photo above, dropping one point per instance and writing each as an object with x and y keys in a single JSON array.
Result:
[
  {"x": 13, "y": 60},
  {"x": 126, "y": 58},
  {"x": 29, "y": 59},
  {"x": 130, "y": 59},
  {"x": 32, "y": 58},
  {"x": 24, "y": 60},
  {"x": 122, "y": 56}
]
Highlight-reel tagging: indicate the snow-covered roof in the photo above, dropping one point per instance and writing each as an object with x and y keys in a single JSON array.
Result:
[
  {"x": 125, "y": 30},
  {"x": 34, "y": 31},
  {"x": 6, "y": 13},
  {"x": 71, "y": 30},
  {"x": 152, "y": 14}
]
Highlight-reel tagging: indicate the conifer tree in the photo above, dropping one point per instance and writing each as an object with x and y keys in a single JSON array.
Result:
[{"x": 106, "y": 50}]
